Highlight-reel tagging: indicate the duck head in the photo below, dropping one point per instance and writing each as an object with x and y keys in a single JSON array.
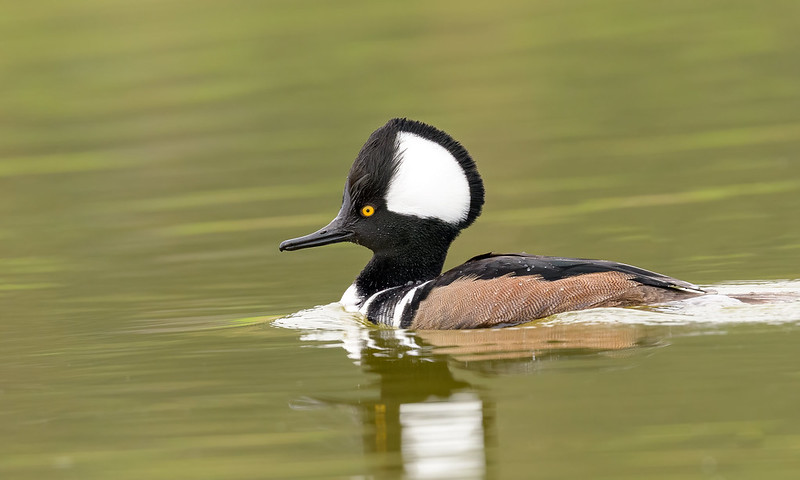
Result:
[{"x": 411, "y": 185}]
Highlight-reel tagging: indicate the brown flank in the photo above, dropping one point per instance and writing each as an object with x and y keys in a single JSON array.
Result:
[{"x": 509, "y": 300}]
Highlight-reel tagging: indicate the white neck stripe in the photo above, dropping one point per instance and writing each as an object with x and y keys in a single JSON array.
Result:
[{"x": 397, "y": 318}]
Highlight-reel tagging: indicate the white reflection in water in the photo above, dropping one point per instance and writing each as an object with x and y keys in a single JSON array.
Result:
[
  {"x": 332, "y": 325},
  {"x": 444, "y": 439}
]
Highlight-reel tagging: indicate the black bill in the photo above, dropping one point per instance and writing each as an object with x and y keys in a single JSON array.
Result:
[{"x": 334, "y": 232}]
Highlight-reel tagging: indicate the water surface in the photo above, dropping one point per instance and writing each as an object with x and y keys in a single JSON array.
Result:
[{"x": 153, "y": 155}]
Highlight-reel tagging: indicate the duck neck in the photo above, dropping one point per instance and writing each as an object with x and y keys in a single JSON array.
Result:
[{"x": 391, "y": 270}]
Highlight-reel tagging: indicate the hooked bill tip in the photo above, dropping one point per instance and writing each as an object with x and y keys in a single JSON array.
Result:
[{"x": 285, "y": 245}]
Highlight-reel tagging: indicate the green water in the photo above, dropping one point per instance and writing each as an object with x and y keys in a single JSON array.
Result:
[{"x": 154, "y": 154}]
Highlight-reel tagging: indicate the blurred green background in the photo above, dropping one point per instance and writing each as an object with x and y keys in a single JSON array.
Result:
[{"x": 153, "y": 154}]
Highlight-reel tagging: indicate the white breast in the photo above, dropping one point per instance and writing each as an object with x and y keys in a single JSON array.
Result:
[{"x": 351, "y": 299}]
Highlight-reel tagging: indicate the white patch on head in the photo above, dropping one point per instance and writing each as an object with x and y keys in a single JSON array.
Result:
[{"x": 429, "y": 181}]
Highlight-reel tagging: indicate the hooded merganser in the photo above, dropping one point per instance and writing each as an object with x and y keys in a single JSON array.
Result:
[{"x": 409, "y": 193}]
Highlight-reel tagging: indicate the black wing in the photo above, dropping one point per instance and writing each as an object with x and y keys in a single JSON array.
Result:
[{"x": 493, "y": 265}]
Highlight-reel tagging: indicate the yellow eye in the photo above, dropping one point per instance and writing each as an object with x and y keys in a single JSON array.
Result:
[{"x": 367, "y": 210}]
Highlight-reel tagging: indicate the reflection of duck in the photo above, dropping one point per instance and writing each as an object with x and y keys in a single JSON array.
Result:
[
  {"x": 437, "y": 423},
  {"x": 425, "y": 422},
  {"x": 532, "y": 342},
  {"x": 523, "y": 344},
  {"x": 409, "y": 193}
]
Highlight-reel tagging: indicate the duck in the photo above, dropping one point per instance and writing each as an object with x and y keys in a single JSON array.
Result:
[{"x": 410, "y": 192}]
